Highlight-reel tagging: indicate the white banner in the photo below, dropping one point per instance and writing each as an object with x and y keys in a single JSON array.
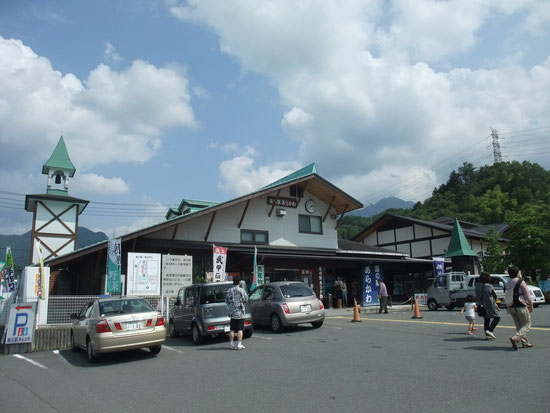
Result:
[
  {"x": 177, "y": 272},
  {"x": 143, "y": 274},
  {"x": 218, "y": 266}
]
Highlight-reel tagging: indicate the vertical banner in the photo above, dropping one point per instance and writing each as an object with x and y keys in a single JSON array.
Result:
[
  {"x": 9, "y": 274},
  {"x": 39, "y": 284},
  {"x": 143, "y": 274},
  {"x": 218, "y": 266},
  {"x": 113, "y": 267},
  {"x": 439, "y": 265},
  {"x": 255, "y": 270},
  {"x": 177, "y": 272},
  {"x": 372, "y": 274}
]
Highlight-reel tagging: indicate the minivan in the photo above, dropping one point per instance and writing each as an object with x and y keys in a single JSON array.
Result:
[{"x": 200, "y": 310}]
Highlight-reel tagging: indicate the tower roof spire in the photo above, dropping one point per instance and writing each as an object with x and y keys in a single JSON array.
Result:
[{"x": 59, "y": 160}]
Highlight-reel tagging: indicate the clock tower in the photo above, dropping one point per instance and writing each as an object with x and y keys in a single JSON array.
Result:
[{"x": 55, "y": 213}]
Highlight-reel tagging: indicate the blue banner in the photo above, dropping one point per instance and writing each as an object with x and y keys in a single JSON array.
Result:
[
  {"x": 372, "y": 274},
  {"x": 439, "y": 266}
]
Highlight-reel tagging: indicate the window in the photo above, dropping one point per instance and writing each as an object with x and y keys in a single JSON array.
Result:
[
  {"x": 440, "y": 282},
  {"x": 310, "y": 224},
  {"x": 296, "y": 290},
  {"x": 295, "y": 191},
  {"x": 214, "y": 293},
  {"x": 256, "y": 294},
  {"x": 249, "y": 236}
]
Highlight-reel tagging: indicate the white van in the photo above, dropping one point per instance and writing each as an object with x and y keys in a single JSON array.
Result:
[{"x": 499, "y": 281}]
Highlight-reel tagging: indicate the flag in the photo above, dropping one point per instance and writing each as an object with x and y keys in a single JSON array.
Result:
[
  {"x": 39, "y": 285},
  {"x": 9, "y": 274},
  {"x": 113, "y": 267},
  {"x": 255, "y": 269},
  {"x": 218, "y": 265}
]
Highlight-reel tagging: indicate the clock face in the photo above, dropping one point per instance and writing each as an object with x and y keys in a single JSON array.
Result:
[{"x": 310, "y": 206}]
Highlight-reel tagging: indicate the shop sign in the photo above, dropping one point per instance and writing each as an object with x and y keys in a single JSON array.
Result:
[
  {"x": 177, "y": 272},
  {"x": 283, "y": 202},
  {"x": 372, "y": 275}
]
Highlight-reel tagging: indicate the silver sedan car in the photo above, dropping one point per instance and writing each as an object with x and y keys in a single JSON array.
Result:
[
  {"x": 112, "y": 324},
  {"x": 285, "y": 303}
]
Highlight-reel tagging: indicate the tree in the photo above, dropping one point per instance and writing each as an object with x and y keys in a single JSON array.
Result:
[{"x": 494, "y": 260}]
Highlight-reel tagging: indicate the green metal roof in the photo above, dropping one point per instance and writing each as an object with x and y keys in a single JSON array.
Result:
[
  {"x": 305, "y": 171},
  {"x": 458, "y": 246},
  {"x": 192, "y": 205},
  {"x": 59, "y": 159}
]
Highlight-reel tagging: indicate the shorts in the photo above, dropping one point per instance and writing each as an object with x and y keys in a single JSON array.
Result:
[
  {"x": 470, "y": 318},
  {"x": 237, "y": 324}
]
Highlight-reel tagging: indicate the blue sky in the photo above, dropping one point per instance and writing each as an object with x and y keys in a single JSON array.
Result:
[{"x": 164, "y": 100}]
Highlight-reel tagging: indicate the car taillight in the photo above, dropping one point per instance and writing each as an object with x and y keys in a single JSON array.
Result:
[
  {"x": 286, "y": 309},
  {"x": 247, "y": 323},
  {"x": 149, "y": 322},
  {"x": 160, "y": 321},
  {"x": 117, "y": 326},
  {"x": 211, "y": 328},
  {"x": 102, "y": 327},
  {"x": 321, "y": 306}
]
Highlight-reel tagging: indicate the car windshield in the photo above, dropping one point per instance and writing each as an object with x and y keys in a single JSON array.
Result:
[
  {"x": 214, "y": 293},
  {"x": 296, "y": 290},
  {"x": 124, "y": 306}
]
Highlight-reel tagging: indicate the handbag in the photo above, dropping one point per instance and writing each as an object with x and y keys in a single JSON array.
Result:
[{"x": 481, "y": 311}]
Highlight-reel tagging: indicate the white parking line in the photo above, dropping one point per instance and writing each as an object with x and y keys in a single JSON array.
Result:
[
  {"x": 19, "y": 356},
  {"x": 262, "y": 337},
  {"x": 173, "y": 349}
]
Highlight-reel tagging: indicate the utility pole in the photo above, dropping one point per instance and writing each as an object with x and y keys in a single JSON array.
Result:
[{"x": 497, "y": 156}]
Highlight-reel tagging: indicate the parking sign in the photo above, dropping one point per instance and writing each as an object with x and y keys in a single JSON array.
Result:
[{"x": 21, "y": 323}]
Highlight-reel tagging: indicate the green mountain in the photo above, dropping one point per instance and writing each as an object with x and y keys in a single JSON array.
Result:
[{"x": 20, "y": 244}]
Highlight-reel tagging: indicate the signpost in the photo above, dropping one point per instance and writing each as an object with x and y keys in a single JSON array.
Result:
[
  {"x": 143, "y": 274},
  {"x": 20, "y": 327}
]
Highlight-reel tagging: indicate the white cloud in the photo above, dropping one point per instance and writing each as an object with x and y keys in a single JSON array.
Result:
[
  {"x": 110, "y": 53},
  {"x": 363, "y": 82},
  {"x": 94, "y": 184},
  {"x": 239, "y": 176},
  {"x": 113, "y": 116}
]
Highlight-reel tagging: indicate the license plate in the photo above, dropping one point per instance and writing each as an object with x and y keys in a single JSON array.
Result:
[
  {"x": 305, "y": 308},
  {"x": 226, "y": 329},
  {"x": 133, "y": 326}
]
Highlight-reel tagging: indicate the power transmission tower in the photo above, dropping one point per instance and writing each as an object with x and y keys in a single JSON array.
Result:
[{"x": 497, "y": 156}]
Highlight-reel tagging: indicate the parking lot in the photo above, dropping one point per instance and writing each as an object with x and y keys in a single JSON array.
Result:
[{"x": 387, "y": 362}]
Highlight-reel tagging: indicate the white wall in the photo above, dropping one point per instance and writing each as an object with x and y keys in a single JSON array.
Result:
[
  {"x": 404, "y": 234},
  {"x": 283, "y": 231}
]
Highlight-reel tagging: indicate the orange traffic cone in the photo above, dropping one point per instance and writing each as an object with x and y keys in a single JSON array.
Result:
[
  {"x": 356, "y": 318},
  {"x": 416, "y": 313}
]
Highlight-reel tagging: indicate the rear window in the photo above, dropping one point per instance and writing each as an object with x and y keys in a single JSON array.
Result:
[
  {"x": 214, "y": 293},
  {"x": 124, "y": 306},
  {"x": 296, "y": 290}
]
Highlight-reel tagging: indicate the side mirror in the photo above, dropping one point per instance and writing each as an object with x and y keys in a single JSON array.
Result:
[{"x": 73, "y": 316}]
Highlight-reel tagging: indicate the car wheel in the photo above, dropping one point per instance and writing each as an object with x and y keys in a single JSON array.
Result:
[
  {"x": 92, "y": 356},
  {"x": 276, "y": 324},
  {"x": 247, "y": 333},
  {"x": 317, "y": 324},
  {"x": 449, "y": 307},
  {"x": 172, "y": 329},
  {"x": 155, "y": 349},
  {"x": 74, "y": 347},
  {"x": 197, "y": 337},
  {"x": 432, "y": 304}
]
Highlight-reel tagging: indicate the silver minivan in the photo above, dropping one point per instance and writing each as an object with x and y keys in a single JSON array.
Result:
[{"x": 200, "y": 310}]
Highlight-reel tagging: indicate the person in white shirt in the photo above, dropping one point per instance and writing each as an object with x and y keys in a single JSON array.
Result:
[{"x": 469, "y": 311}]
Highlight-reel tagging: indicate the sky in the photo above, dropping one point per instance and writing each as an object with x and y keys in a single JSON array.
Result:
[{"x": 163, "y": 100}]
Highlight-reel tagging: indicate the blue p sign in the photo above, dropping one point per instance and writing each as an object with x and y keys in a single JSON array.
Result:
[{"x": 21, "y": 320}]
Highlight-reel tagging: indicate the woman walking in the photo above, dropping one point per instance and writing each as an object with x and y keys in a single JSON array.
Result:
[{"x": 486, "y": 298}]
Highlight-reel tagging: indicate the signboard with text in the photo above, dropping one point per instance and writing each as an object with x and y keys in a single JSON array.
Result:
[
  {"x": 20, "y": 327},
  {"x": 177, "y": 272},
  {"x": 372, "y": 274},
  {"x": 143, "y": 274}
]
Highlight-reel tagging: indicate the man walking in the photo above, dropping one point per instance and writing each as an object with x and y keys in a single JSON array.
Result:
[
  {"x": 235, "y": 299},
  {"x": 383, "y": 297}
]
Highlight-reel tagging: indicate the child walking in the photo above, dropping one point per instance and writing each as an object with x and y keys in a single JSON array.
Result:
[{"x": 470, "y": 308}]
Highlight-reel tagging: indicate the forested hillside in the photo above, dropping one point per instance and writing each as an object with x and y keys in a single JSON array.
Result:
[{"x": 514, "y": 193}]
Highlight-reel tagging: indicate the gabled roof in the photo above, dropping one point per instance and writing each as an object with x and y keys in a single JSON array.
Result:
[
  {"x": 458, "y": 246},
  {"x": 59, "y": 159},
  {"x": 475, "y": 231},
  {"x": 187, "y": 206},
  {"x": 301, "y": 173}
]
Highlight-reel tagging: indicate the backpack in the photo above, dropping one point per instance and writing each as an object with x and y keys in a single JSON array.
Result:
[{"x": 512, "y": 296}]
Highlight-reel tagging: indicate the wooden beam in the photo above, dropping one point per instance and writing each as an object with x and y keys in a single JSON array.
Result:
[
  {"x": 175, "y": 231},
  {"x": 341, "y": 216},
  {"x": 303, "y": 193},
  {"x": 210, "y": 226},
  {"x": 274, "y": 203},
  {"x": 328, "y": 209},
  {"x": 244, "y": 213}
]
